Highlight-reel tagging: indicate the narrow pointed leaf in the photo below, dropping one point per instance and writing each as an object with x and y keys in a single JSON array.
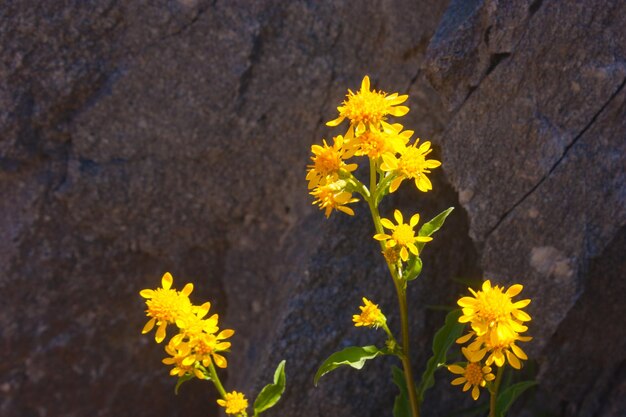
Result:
[
  {"x": 271, "y": 393},
  {"x": 443, "y": 340},
  {"x": 432, "y": 226},
  {"x": 414, "y": 268},
  {"x": 508, "y": 396},
  {"x": 401, "y": 406},
  {"x": 352, "y": 356}
]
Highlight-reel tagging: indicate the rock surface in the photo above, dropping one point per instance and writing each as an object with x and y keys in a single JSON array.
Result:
[{"x": 137, "y": 138}]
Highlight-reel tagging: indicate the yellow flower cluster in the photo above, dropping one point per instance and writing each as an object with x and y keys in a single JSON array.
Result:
[
  {"x": 198, "y": 342},
  {"x": 197, "y": 347},
  {"x": 370, "y": 316},
  {"x": 369, "y": 134},
  {"x": 402, "y": 235},
  {"x": 496, "y": 324}
]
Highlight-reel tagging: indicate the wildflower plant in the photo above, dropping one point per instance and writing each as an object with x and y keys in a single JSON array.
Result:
[
  {"x": 496, "y": 322},
  {"x": 199, "y": 346}
]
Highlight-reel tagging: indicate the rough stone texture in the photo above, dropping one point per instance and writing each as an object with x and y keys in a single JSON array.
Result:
[{"x": 139, "y": 137}]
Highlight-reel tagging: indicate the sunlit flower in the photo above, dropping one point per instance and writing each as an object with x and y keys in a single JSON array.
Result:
[
  {"x": 166, "y": 306},
  {"x": 206, "y": 347},
  {"x": 370, "y": 316},
  {"x": 491, "y": 310},
  {"x": 194, "y": 323},
  {"x": 412, "y": 164},
  {"x": 501, "y": 350},
  {"x": 234, "y": 403},
  {"x": 179, "y": 358},
  {"x": 333, "y": 196},
  {"x": 402, "y": 235},
  {"x": 374, "y": 143},
  {"x": 328, "y": 161},
  {"x": 369, "y": 107},
  {"x": 473, "y": 375}
]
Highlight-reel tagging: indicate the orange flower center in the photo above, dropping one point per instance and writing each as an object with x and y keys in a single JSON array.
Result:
[{"x": 474, "y": 373}]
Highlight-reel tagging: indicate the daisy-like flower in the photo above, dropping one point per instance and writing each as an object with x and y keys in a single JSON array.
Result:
[
  {"x": 178, "y": 358},
  {"x": 374, "y": 143},
  {"x": 491, "y": 310},
  {"x": 501, "y": 350},
  {"x": 370, "y": 316},
  {"x": 367, "y": 107},
  {"x": 205, "y": 348},
  {"x": 194, "y": 323},
  {"x": 333, "y": 196},
  {"x": 412, "y": 164},
  {"x": 234, "y": 403},
  {"x": 473, "y": 375},
  {"x": 328, "y": 161},
  {"x": 402, "y": 235},
  {"x": 166, "y": 306}
]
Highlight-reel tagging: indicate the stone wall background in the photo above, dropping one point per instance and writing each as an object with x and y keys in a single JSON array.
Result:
[{"x": 138, "y": 137}]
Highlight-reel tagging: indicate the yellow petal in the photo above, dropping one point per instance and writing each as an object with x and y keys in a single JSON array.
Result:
[
  {"x": 458, "y": 381},
  {"x": 187, "y": 289},
  {"x": 365, "y": 84},
  {"x": 395, "y": 184},
  {"x": 521, "y": 303},
  {"x": 335, "y": 122},
  {"x": 404, "y": 254},
  {"x": 518, "y": 352},
  {"x": 166, "y": 281},
  {"x": 465, "y": 338},
  {"x": 146, "y": 293},
  {"x": 398, "y": 216},
  {"x": 475, "y": 392},
  {"x": 514, "y": 290},
  {"x": 515, "y": 363},
  {"x": 387, "y": 224},
  {"x": 225, "y": 334},
  {"x": 466, "y": 302},
  {"x": 219, "y": 360},
  {"x": 413, "y": 249},
  {"x": 160, "y": 333},
  {"x": 456, "y": 369},
  {"x": 149, "y": 325},
  {"x": 398, "y": 111},
  {"x": 381, "y": 236},
  {"x": 415, "y": 219}
]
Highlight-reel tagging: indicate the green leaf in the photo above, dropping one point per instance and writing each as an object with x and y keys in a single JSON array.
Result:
[
  {"x": 414, "y": 268},
  {"x": 271, "y": 393},
  {"x": 508, "y": 396},
  {"x": 401, "y": 406},
  {"x": 352, "y": 356},
  {"x": 444, "y": 339},
  {"x": 432, "y": 226},
  {"x": 181, "y": 380}
]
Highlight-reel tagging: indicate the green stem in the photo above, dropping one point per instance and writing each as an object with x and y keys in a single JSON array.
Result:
[
  {"x": 216, "y": 380},
  {"x": 494, "y": 392},
  {"x": 401, "y": 293}
]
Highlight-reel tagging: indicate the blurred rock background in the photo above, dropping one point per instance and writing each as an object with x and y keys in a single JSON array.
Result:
[{"x": 140, "y": 137}]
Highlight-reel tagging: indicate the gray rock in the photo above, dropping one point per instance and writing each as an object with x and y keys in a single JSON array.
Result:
[{"x": 137, "y": 138}]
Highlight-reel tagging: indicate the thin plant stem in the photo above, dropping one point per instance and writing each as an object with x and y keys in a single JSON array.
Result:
[
  {"x": 401, "y": 293},
  {"x": 494, "y": 392},
  {"x": 216, "y": 380}
]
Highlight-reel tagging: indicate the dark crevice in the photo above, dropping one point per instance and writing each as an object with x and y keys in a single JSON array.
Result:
[
  {"x": 246, "y": 77},
  {"x": 495, "y": 60},
  {"x": 534, "y": 7},
  {"x": 487, "y": 35},
  {"x": 558, "y": 161}
]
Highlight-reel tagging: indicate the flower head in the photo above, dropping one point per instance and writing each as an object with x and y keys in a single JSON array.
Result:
[
  {"x": 333, "y": 196},
  {"x": 179, "y": 358},
  {"x": 166, "y": 306},
  {"x": 412, "y": 164},
  {"x": 473, "y": 375},
  {"x": 501, "y": 351},
  {"x": 370, "y": 316},
  {"x": 402, "y": 235},
  {"x": 234, "y": 403},
  {"x": 367, "y": 107},
  {"x": 328, "y": 161},
  {"x": 491, "y": 310},
  {"x": 374, "y": 142}
]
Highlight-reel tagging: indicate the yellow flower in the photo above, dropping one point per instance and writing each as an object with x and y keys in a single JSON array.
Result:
[
  {"x": 412, "y": 164},
  {"x": 178, "y": 358},
  {"x": 501, "y": 350},
  {"x": 166, "y": 306},
  {"x": 402, "y": 235},
  {"x": 234, "y": 403},
  {"x": 374, "y": 142},
  {"x": 369, "y": 107},
  {"x": 194, "y": 323},
  {"x": 473, "y": 375},
  {"x": 370, "y": 316},
  {"x": 206, "y": 346},
  {"x": 333, "y": 196},
  {"x": 492, "y": 311},
  {"x": 328, "y": 161}
]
